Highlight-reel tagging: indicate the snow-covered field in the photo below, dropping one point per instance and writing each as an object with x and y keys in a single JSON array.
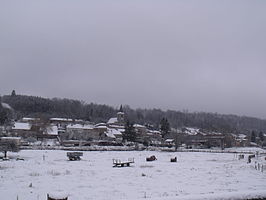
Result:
[{"x": 193, "y": 176}]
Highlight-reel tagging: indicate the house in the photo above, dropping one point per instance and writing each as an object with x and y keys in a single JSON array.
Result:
[
  {"x": 81, "y": 132},
  {"x": 58, "y": 121},
  {"x": 114, "y": 135},
  {"x": 51, "y": 131},
  {"x": 63, "y": 122},
  {"x": 23, "y": 130},
  {"x": 194, "y": 138},
  {"x": 140, "y": 129},
  {"x": 169, "y": 142},
  {"x": 240, "y": 140},
  {"x": 154, "y": 137}
]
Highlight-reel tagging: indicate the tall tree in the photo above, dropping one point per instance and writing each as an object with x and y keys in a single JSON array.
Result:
[
  {"x": 121, "y": 108},
  {"x": 261, "y": 135},
  {"x": 130, "y": 133},
  {"x": 253, "y": 136},
  {"x": 9, "y": 144},
  {"x": 164, "y": 127},
  {"x": 3, "y": 115}
]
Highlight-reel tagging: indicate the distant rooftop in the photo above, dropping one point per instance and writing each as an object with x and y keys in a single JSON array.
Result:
[
  {"x": 7, "y": 106},
  {"x": 79, "y": 126},
  {"x": 52, "y": 130},
  {"x": 112, "y": 120},
  {"x": 21, "y": 126},
  {"x": 61, "y": 119}
]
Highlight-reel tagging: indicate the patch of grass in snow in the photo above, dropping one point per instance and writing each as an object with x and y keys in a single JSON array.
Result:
[
  {"x": 212, "y": 160},
  {"x": 34, "y": 174},
  {"x": 4, "y": 167},
  {"x": 146, "y": 166},
  {"x": 53, "y": 173}
]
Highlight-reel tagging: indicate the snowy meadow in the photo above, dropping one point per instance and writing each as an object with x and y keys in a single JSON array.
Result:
[{"x": 193, "y": 176}]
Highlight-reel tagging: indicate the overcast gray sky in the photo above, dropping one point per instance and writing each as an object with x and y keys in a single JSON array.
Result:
[{"x": 169, "y": 54}]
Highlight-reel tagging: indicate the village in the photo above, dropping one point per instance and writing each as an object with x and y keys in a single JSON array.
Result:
[{"x": 64, "y": 132}]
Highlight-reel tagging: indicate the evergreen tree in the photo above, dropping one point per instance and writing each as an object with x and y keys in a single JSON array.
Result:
[
  {"x": 3, "y": 115},
  {"x": 261, "y": 135},
  {"x": 130, "y": 133},
  {"x": 164, "y": 127},
  {"x": 253, "y": 136},
  {"x": 121, "y": 108}
]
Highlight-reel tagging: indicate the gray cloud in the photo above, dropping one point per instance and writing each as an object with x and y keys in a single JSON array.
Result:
[{"x": 195, "y": 55}]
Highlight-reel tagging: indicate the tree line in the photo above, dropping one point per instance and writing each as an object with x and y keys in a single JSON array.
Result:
[{"x": 32, "y": 106}]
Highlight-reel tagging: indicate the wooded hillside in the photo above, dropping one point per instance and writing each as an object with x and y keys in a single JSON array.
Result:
[{"x": 31, "y": 106}]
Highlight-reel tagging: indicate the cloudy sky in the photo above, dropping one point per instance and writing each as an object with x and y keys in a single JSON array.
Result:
[{"x": 204, "y": 55}]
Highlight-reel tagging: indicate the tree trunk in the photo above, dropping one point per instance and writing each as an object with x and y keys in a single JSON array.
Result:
[{"x": 5, "y": 154}]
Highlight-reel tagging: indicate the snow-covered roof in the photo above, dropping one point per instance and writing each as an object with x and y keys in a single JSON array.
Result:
[
  {"x": 103, "y": 127},
  {"x": 216, "y": 133},
  {"x": 191, "y": 131},
  {"x": 10, "y": 138},
  {"x": 79, "y": 126},
  {"x": 112, "y": 133},
  {"x": 109, "y": 133},
  {"x": 157, "y": 132},
  {"x": 112, "y": 120},
  {"x": 100, "y": 124},
  {"x": 139, "y": 126},
  {"x": 153, "y": 133},
  {"x": 21, "y": 126},
  {"x": 241, "y": 136},
  {"x": 169, "y": 140},
  {"x": 116, "y": 126},
  {"x": 61, "y": 119},
  {"x": 30, "y": 119},
  {"x": 78, "y": 120},
  {"x": 116, "y": 132},
  {"x": 52, "y": 130},
  {"x": 7, "y": 106},
  {"x": 121, "y": 130}
]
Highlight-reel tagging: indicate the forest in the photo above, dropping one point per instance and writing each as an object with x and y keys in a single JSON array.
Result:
[{"x": 32, "y": 106}]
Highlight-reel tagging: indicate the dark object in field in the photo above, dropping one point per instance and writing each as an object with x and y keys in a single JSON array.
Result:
[
  {"x": 119, "y": 163},
  {"x": 152, "y": 158},
  {"x": 249, "y": 158},
  {"x": 173, "y": 159},
  {"x": 74, "y": 155},
  {"x": 53, "y": 198},
  {"x": 241, "y": 156}
]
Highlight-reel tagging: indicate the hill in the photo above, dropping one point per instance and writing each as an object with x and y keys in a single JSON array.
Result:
[{"x": 32, "y": 106}]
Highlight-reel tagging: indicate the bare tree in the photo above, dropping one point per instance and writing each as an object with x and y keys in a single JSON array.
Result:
[{"x": 9, "y": 144}]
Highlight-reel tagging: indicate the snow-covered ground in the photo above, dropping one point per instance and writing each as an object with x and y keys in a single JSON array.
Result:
[{"x": 193, "y": 176}]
